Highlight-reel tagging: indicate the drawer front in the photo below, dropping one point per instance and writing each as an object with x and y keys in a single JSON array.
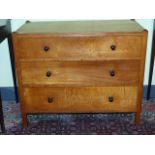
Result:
[
  {"x": 79, "y": 48},
  {"x": 80, "y": 99},
  {"x": 107, "y": 73}
]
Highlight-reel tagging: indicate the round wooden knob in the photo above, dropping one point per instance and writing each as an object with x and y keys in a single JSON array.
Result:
[
  {"x": 113, "y": 47},
  {"x": 49, "y": 74},
  {"x": 46, "y": 48},
  {"x": 50, "y": 99},
  {"x": 111, "y": 98},
  {"x": 112, "y": 73}
]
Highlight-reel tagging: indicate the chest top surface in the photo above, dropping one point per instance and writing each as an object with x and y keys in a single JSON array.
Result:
[{"x": 80, "y": 27}]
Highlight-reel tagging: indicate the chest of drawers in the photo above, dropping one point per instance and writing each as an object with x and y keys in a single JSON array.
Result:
[{"x": 80, "y": 67}]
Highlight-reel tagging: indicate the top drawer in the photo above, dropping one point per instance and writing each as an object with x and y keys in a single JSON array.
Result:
[{"x": 78, "y": 48}]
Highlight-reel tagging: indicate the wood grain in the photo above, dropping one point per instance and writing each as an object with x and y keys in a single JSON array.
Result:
[
  {"x": 80, "y": 99},
  {"x": 79, "y": 48},
  {"x": 84, "y": 73},
  {"x": 71, "y": 27},
  {"x": 80, "y": 62},
  {"x": 19, "y": 82},
  {"x": 141, "y": 77}
]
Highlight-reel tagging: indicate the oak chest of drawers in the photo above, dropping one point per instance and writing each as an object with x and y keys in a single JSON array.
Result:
[{"x": 80, "y": 67}]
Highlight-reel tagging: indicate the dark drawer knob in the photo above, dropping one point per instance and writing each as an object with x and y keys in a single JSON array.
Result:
[
  {"x": 112, "y": 73},
  {"x": 46, "y": 48},
  {"x": 50, "y": 99},
  {"x": 49, "y": 74},
  {"x": 111, "y": 98},
  {"x": 113, "y": 47}
]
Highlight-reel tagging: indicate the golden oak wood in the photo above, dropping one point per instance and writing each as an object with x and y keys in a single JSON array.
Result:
[
  {"x": 75, "y": 73},
  {"x": 141, "y": 76},
  {"x": 79, "y": 48},
  {"x": 20, "y": 88},
  {"x": 78, "y": 67},
  {"x": 81, "y": 27},
  {"x": 80, "y": 99}
]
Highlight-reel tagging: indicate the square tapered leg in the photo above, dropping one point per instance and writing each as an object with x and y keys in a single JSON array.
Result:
[{"x": 1, "y": 116}]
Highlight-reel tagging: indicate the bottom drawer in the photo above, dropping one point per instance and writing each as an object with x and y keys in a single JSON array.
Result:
[{"x": 79, "y": 99}]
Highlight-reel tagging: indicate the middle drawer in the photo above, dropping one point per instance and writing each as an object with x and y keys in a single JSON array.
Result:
[{"x": 107, "y": 73}]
